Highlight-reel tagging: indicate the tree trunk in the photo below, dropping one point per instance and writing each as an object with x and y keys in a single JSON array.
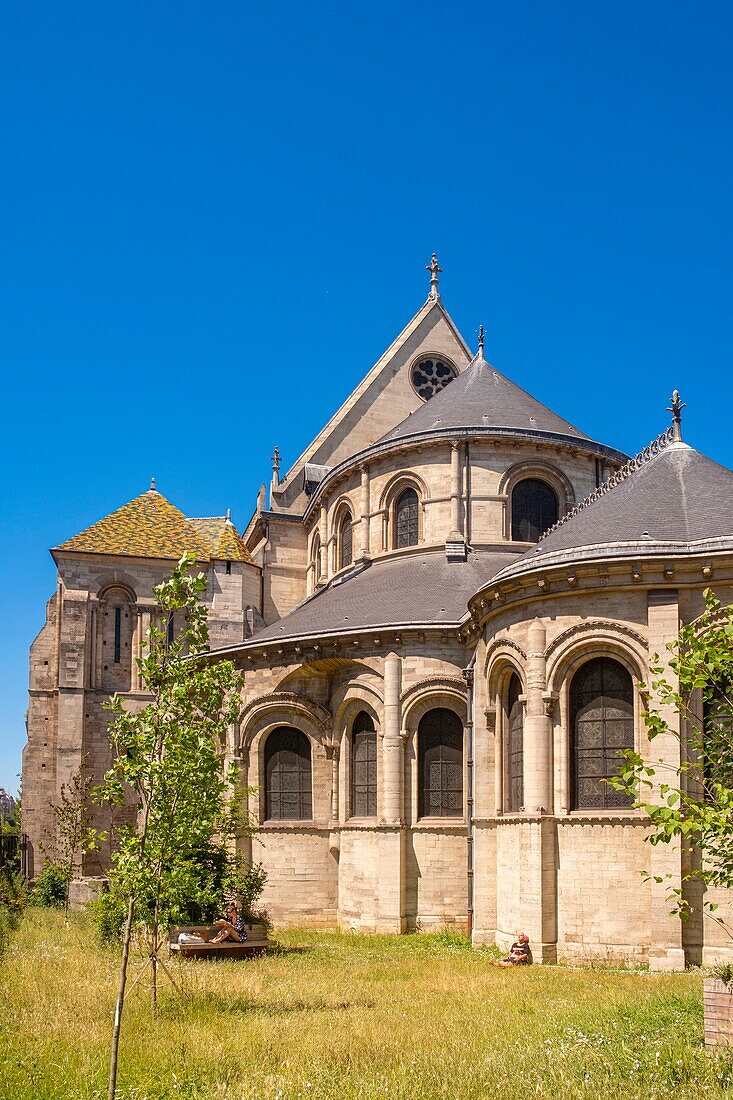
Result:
[
  {"x": 120, "y": 1000},
  {"x": 154, "y": 982}
]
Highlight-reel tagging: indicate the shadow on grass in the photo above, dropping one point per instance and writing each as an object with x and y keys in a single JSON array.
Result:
[{"x": 220, "y": 1002}]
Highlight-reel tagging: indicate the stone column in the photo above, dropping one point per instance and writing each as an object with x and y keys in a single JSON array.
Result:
[
  {"x": 667, "y": 951},
  {"x": 392, "y": 833},
  {"x": 455, "y": 486},
  {"x": 537, "y": 836},
  {"x": 364, "y": 550},
  {"x": 392, "y": 745},
  {"x": 537, "y": 727},
  {"x": 323, "y": 534},
  {"x": 332, "y": 754}
]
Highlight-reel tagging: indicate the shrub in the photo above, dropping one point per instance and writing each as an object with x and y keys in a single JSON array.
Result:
[
  {"x": 51, "y": 887},
  {"x": 108, "y": 914},
  {"x": 14, "y": 892}
]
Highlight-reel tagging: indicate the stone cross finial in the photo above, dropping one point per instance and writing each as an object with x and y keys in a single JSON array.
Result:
[
  {"x": 676, "y": 409},
  {"x": 481, "y": 341},
  {"x": 276, "y": 466},
  {"x": 152, "y": 485},
  {"x": 434, "y": 270}
]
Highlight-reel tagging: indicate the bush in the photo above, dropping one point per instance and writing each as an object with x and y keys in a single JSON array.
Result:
[
  {"x": 14, "y": 892},
  {"x": 108, "y": 914},
  {"x": 51, "y": 887}
]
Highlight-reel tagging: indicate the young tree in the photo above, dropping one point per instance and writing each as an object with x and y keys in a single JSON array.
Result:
[
  {"x": 694, "y": 801},
  {"x": 170, "y": 757},
  {"x": 73, "y": 833}
]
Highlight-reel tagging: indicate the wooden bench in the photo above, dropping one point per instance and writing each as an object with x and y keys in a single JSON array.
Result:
[{"x": 254, "y": 946}]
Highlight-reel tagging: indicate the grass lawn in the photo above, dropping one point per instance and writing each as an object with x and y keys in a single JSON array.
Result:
[{"x": 341, "y": 1017}]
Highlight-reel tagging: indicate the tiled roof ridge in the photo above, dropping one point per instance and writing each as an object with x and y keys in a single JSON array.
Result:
[{"x": 661, "y": 443}]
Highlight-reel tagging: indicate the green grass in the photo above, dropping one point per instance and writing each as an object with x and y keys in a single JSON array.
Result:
[{"x": 341, "y": 1017}]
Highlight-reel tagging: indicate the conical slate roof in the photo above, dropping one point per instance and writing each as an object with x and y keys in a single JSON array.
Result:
[
  {"x": 676, "y": 500},
  {"x": 481, "y": 397}
]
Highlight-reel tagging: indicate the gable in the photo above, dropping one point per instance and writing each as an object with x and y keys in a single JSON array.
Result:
[{"x": 379, "y": 403}]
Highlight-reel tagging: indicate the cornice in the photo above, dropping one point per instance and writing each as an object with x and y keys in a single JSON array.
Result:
[{"x": 449, "y": 435}]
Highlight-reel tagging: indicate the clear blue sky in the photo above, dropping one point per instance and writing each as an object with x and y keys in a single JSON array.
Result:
[{"x": 215, "y": 217}]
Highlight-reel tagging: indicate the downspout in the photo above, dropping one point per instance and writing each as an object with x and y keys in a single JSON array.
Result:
[{"x": 467, "y": 674}]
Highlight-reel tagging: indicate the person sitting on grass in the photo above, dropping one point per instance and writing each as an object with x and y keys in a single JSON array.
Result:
[
  {"x": 229, "y": 928},
  {"x": 520, "y": 953}
]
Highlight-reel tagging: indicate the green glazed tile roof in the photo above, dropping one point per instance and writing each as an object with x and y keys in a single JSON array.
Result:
[
  {"x": 220, "y": 536},
  {"x": 147, "y": 527}
]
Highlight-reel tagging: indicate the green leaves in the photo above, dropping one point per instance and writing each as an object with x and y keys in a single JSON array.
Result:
[
  {"x": 170, "y": 762},
  {"x": 693, "y": 801}
]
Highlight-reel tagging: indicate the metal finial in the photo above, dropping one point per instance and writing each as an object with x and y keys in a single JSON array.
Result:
[
  {"x": 481, "y": 341},
  {"x": 676, "y": 409},
  {"x": 276, "y": 459},
  {"x": 152, "y": 485},
  {"x": 434, "y": 270},
  {"x": 228, "y": 516}
]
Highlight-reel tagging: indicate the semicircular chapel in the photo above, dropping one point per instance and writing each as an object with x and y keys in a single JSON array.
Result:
[{"x": 444, "y": 612}]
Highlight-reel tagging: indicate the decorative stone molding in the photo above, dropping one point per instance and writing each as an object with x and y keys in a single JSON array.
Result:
[
  {"x": 317, "y": 715},
  {"x": 549, "y": 700},
  {"x": 591, "y": 626}
]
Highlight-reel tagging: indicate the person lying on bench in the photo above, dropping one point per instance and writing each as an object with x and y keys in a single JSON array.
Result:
[{"x": 229, "y": 928}]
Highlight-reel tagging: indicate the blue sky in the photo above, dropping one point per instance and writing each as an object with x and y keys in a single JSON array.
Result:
[{"x": 215, "y": 217}]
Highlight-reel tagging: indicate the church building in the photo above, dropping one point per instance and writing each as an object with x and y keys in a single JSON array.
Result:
[{"x": 443, "y": 613}]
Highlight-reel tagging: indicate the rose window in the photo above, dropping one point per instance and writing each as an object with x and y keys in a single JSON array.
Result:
[{"x": 429, "y": 376}]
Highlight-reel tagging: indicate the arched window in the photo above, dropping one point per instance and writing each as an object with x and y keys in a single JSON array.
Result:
[
  {"x": 515, "y": 745},
  {"x": 534, "y": 509},
  {"x": 288, "y": 776},
  {"x": 346, "y": 541},
  {"x": 363, "y": 766},
  {"x": 406, "y": 527},
  {"x": 602, "y": 724},
  {"x": 114, "y": 634},
  {"x": 440, "y": 763}
]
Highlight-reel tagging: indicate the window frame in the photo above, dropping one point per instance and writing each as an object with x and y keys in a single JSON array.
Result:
[
  {"x": 424, "y": 790},
  {"x": 509, "y": 748},
  {"x": 605, "y": 751},
  {"x": 369, "y": 734},
  {"x": 514, "y": 522},
  {"x": 400, "y": 496},
  {"x": 304, "y": 787}
]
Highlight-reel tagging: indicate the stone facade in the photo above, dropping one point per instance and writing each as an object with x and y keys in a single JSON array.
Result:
[{"x": 342, "y": 609}]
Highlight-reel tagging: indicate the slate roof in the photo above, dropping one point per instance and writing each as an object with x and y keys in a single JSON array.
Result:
[
  {"x": 481, "y": 397},
  {"x": 151, "y": 527},
  {"x": 676, "y": 500},
  {"x": 418, "y": 589}
]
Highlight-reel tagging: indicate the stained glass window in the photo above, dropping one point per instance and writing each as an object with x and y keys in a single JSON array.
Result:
[
  {"x": 440, "y": 763},
  {"x": 432, "y": 375},
  {"x": 515, "y": 744},
  {"x": 346, "y": 542},
  {"x": 363, "y": 766},
  {"x": 406, "y": 519},
  {"x": 534, "y": 509},
  {"x": 602, "y": 724},
  {"x": 288, "y": 776}
]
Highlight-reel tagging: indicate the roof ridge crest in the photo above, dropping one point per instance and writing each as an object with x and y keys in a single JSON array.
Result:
[{"x": 661, "y": 443}]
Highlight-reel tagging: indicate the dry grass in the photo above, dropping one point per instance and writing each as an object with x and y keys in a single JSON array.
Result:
[{"x": 344, "y": 1017}]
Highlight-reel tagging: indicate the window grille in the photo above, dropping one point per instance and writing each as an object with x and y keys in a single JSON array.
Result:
[
  {"x": 346, "y": 542},
  {"x": 288, "y": 776},
  {"x": 515, "y": 745},
  {"x": 534, "y": 509},
  {"x": 440, "y": 764},
  {"x": 363, "y": 766},
  {"x": 406, "y": 519},
  {"x": 602, "y": 723}
]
